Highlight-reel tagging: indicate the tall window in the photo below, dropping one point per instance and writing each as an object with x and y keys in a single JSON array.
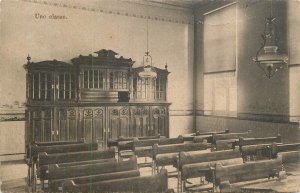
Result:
[
  {"x": 294, "y": 93},
  {"x": 220, "y": 94},
  {"x": 220, "y": 86}
]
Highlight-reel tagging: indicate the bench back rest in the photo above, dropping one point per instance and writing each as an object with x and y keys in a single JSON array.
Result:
[
  {"x": 56, "y": 185},
  {"x": 43, "y": 170},
  {"x": 285, "y": 147},
  {"x": 226, "y": 136},
  {"x": 290, "y": 157},
  {"x": 262, "y": 149},
  {"x": 203, "y": 168},
  {"x": 155, "y": 183},
  {"x": 198, "y": 157},
  {"x": 56, "y": 143},
  {"x": 56, "y": 172},
  {"x": 62, "y": 148},
  {"x": 255, "y": 141},
  {"x": 144, "y": 142},
  {"x": 168, "y": 141},
  {"x": 198, "y": 133},
  {"x": 225, "y": 144},
  {"x": 248, "y": 171},
  {"x": 56, "y": 158},
  {"x": 176, "y": 148}
]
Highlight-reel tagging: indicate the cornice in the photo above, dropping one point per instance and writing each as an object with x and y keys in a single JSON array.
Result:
[{"x": 102, "y": 10}]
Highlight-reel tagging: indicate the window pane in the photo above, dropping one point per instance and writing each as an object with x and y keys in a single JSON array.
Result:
[
  {"x": 67, "y": 86},
  {"x": 36, "y": 84},
  {"x": 208, "y": 93},
  {"x": 91, "y": 79},
  {"x": 96, "y": 79},
  {"x": 43, "y": 85},
  {"x": 294, "y": 93},
  {"x": 111, "y": 80},
  {"x": 101, "y": 79},
  {"x": 61, "y": 81},
  {"x": 85, "y": 79},
  {"x": 49, "y": 86},
  {"x": 220, "y": 93},
  {"x": 220, "y": 99},
  {"x": 72, "y": 86}
]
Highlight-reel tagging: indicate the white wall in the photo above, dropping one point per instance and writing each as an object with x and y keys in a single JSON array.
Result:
[
  {"x": 12, "y": 140},
  {"x": 93, "y": 25}
]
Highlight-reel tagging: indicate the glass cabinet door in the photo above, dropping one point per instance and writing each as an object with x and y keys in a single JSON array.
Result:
[{"x": 41, "y": 86}]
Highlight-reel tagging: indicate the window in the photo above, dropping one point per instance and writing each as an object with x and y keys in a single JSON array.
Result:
[
  {"x": 220, "y": 94},
  {"x": 294, "y": 93}
]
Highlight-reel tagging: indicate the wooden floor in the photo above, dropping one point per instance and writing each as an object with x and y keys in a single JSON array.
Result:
[{"x": 13, "y": 175}]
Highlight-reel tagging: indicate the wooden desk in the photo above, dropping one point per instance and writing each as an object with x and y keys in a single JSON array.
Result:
[{"x": 291, "y": 184}]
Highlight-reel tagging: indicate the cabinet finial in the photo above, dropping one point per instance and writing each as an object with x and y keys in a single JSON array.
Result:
[{"x": 28, "y": 59}]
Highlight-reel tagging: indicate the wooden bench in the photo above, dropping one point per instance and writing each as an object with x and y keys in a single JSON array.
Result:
[
  {"x": 258, "y": 148},
  {"x": 228, "y": 139},
  {"x": 202, "y": 135},
  {"x": 254, "y": 152},
  {"x": 56, "y": 172},
  {"x": 165, "y": 155},
  {"x": 143, "y": 148},
  {"x": 290, "y": 157},
  {"x": 29, "y": 154},
  {"x": 233, "y": 177},
  {"x": 56, "y": 185},
  {"x": 71, "y": 158},
  {"x": 155, "y": 183},
  {"x": 35, "y": 150},
  {"x": 126, "y": 147},
  {"x": 199, "y": 164},
  {"x": 277, "y": 148},
  {"x": 255, "y": 141},
  {"x": 114, "y": 142}
]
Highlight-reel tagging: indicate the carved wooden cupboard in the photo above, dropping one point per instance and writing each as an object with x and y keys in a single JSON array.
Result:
[{"x": 94, "y": 98}]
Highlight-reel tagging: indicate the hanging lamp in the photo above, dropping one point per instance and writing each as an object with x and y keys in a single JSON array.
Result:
[
  {"x": 148, "y": 71},
  {"x": 268, "y": 58}
]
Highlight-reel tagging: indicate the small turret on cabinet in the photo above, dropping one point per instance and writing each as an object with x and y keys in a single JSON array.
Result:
[{"x": 94, "y": 98}]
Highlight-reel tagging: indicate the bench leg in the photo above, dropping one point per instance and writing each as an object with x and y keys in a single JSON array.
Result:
[{"x": 28, "y": 176}]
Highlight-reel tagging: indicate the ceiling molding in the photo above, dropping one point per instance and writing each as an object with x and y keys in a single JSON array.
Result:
[{"x": 178, "y": 20}]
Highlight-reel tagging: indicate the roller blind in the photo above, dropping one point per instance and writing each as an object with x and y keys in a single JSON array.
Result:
[
  {"x": 220, "y": 40},
  {"x": 293, "y": 31}
]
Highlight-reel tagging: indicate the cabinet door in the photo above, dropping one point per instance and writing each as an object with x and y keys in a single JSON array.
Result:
[
  {"x": 139, "y": 125},
  {"x": 41, "y": 124},
  {"x": 88, "y": 124},
  {"x": 94, "y": 124},
  {"x": 159, "y": 121},
  {"x": 67, "y": 124},
  {"x": 98, "y": 126},
  {"x": 118, "y": 122},
  {"x": 37, "y": 125}
]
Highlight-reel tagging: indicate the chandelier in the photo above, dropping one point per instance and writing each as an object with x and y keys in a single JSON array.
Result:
[
  {"x": 148, "y": 71},
  {"x": 268, "y": 58}
]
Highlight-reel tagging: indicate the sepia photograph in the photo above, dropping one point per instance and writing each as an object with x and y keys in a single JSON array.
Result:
[{"x": 172, "y": 96}]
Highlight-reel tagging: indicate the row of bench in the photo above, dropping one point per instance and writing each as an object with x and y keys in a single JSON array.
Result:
[{"x": 85, "y": 168}]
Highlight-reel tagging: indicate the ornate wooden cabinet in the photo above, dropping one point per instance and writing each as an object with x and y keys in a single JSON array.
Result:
[{"x": 95, "y": 98}]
